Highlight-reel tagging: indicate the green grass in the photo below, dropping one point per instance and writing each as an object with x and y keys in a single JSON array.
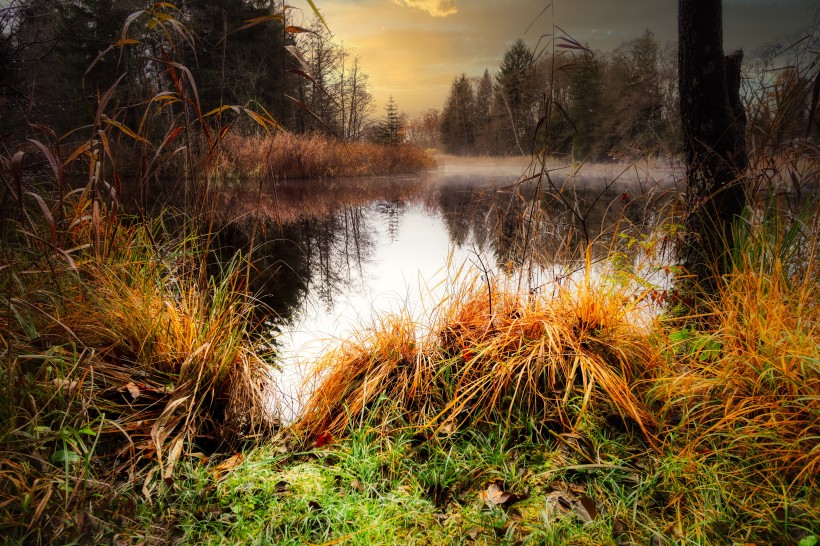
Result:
[{"x": 377, "y": 488}]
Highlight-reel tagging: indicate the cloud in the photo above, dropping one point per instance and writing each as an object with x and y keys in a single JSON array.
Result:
[{"x": 436, "y": 8}]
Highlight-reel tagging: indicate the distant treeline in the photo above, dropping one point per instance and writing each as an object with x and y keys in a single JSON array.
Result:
[{"x": 588, "y": 105}]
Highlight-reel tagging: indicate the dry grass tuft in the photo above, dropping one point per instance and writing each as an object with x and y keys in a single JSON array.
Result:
[
  {"x": 118, "y": 358},
  {"x": 493, "y": 355},
  {"x": 749, "y": 387}
]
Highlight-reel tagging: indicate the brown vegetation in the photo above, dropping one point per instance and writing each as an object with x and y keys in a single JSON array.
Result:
[{"x": 287, "y": 155}]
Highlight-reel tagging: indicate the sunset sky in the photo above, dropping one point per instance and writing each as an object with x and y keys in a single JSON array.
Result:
[{"x": 412, "y": 49}]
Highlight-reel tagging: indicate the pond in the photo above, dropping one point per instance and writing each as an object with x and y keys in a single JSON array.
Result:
[{"x": 332, "y": 256}]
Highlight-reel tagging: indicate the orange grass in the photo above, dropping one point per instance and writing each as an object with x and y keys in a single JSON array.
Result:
[
  {"x": 753, "y": 392},
  {"x": 493, "y": 355},
  {"x": 287, "y": 155},
  {"x": 118, "y": 357}
]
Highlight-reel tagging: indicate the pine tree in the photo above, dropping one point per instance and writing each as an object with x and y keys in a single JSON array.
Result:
[
  {"x": 517, "y": 86},
  {"x": 236, "y": 67},
  {"x": 458, "y": 118},
  {"x": 391, "y": 128},
  {"x": 484, "y": 93},
  {"x": 585, "y": 110}
]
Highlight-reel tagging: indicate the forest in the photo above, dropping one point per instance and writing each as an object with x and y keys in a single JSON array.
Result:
[
  {"x": 606, "y": 106},
  {"x": 618, "y": 341},
  {"x": 63, "y": 55}
]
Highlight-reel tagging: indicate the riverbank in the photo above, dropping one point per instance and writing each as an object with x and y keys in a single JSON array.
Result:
[
  {"x": 134, "y": 411},
  {"x": 548, "y": 421}
]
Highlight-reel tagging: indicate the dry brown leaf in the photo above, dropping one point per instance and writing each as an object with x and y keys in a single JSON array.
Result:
[
  {"x": 66, "y": 384},
  {"x": 219, "y": 470},
  {"x": 133, "y": 390},
  {"x": 515, "y": 515},
  {"x": 586, "y": 508},
  {"x": 173, "y": 456},
  {"x": 559, "y": 502},
  {"x": 495, "y": 496}
]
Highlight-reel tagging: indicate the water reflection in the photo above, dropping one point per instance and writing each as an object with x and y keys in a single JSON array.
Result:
[{"x": 330, "y": 256}]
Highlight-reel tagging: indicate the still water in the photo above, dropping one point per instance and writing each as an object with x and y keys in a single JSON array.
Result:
[{"x": 333, "y": 256}]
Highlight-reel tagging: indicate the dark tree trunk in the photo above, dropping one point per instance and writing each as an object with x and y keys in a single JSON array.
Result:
[{"x": 713, "y": 126}]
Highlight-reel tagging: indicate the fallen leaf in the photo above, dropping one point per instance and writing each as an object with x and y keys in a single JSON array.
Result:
[
  {"x": 447, "y": 428},
  {"x": 230, "y": 462},
  {"x": 133, "y": 390},
  {"x": 495, "y": 496},
  {"x": 281, "y": 487},
  {"x": 559, "y": 502},
  {"x": 586, "y": 508},
  {"x": 322, "y": 439},
  {"x": 515, "y": 515},
  {"x": 618, "y": 527},
  {"x": 219, "y": 470},
  {"x": 65, "y": 384}
]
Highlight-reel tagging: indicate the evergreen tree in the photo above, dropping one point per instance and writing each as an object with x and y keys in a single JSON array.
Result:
[
  {"x": 517, "y": 86},
  {"x": 391, "y": 128},
  {"x": 639, "y": 103},
  {"x": 585, "y": 108},
  {"x": 484, "y": 94},
  {"x": 69, "y": 86},
  {"x": 458, "y": 118},
  {"x": 233, "y": 66}
]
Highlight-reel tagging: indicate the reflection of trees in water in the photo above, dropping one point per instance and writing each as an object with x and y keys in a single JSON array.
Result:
[
  {"x": 308, "y": 233},
  {"x": 323, "y": 253},
  {"x": 316, "y": 235},
  {"x": 289, "y": 201},
  {"x": 391, "y": 212},
  {"x": 339, "y": 246},
  {"x": 523, "y": 222},
  {"x": 280, "y": 271}
]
